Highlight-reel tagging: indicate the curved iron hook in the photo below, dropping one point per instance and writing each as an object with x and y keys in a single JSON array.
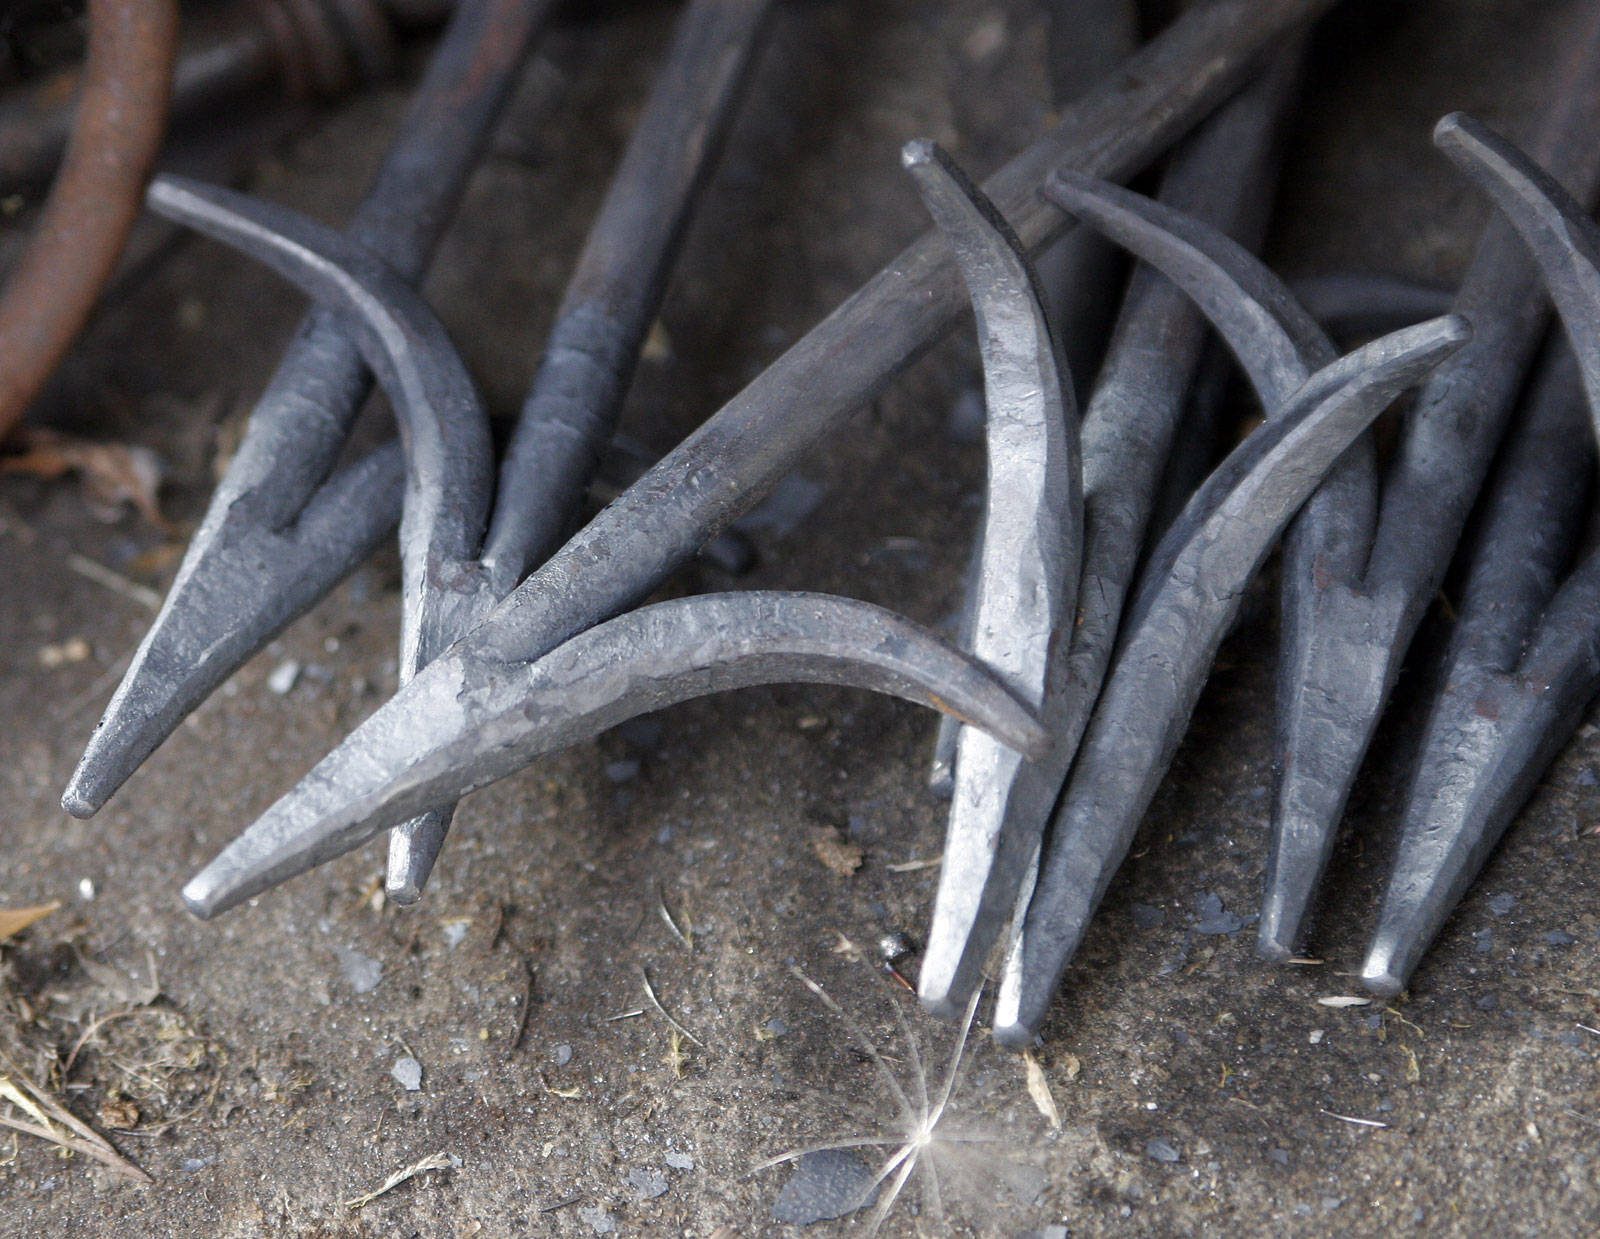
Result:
[
  {"x": 478, "y": 727},
  {"x": 1026, "y": 585}
]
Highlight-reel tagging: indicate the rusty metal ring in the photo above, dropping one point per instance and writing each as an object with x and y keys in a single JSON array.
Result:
[{"x": 97, "y": 195}]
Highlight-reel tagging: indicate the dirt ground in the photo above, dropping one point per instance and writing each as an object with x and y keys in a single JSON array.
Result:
[{"x": 250, "y": 1065}]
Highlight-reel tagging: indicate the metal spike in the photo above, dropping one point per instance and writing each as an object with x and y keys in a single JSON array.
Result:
[
  {"x": 463, "y": 723},
  {"x": 1362, "y": 564},
  {"x": 1128, "y": 431},
  {"x": 278, "y": 535},
  {"x": 1190, "y": 594},
  {"x": 1518, "y": 679},
  {"x": 614, "y": 294},
  {"x": 1501, "y": 714},
  {"x": 1027, "y": 580}
]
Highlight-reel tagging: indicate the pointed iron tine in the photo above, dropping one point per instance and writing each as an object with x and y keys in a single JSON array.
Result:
[
  {"x": 1215, "y": 177},
  {"x": 1353, "y": 602},
  {"x": 445, "y": 430},
  {"x": 1172, "y": 635},
  {"x": 1564, "y": 241},
  {"x": 299, "y": 425},
  {"x": 1027, "y": 579},
  {"x": 613, "y": 296},
  {"x": 1275, "y": 340},
  {"x": 462, "y": 723},
  {"x": 200, "y": 637},
  {"x": 1496, "y": 722}
]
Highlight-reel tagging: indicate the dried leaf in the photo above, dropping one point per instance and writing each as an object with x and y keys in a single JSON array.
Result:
[
  {"x": 15, "y": 920},
  {"x": 1071, "y": 1065},
  {"x": 1039, "y": 1090},
  {"x": 1413, "y": 1068},
  {"x": 113, "y": 474},
  {"x": 438, "y": 1161},
  {"x": 834, "y": 851}
]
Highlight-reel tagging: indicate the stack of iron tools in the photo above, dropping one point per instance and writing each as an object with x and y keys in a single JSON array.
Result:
[{"x": 1113, "y": 555}]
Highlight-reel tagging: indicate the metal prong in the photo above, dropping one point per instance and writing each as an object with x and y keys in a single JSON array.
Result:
[
  {"x": 448, "y": 450},
  {"x": 1562, "y": 238},
  {"x": 1027, "y": 580},
  {"x": 1274, "y": 339},
  {"x": 1500, "y": 716},
  {"x": 463, "y": 723},
  {"x": 253, "y": 591},
  {"x": 1353, "y": 602},
  {"x": 1179, "y": 618},
  {"x": 251, "y": 539},
  {"x": 1503, "y": 713},
  {"x": 615, "y": 292}
]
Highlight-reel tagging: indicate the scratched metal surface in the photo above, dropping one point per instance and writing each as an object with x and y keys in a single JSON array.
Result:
[{"x": 278, "y": 1073}]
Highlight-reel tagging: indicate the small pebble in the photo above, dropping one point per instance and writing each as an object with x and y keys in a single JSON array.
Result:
[
  {"x": 86, "y": 890},
  {"x": 1281, "y": 1156},
  {"x": 597, "y": 1217},
  {"x": 826, "y": 1184},
  {"x": 455, "y": 933},
  {"x": 893, "y": 947},
  {"x": 1316, "y": 1036},
  {"x": 194, "y": 1165},
  {"x": 1559, "y": 937},
  {"x": 1148, "y": 916},
  {"x": 1488, "y": 1002},
  {"x": 648, "y": 1183},
  {"x": 563, "y": 1055},
  {"x": 623, "y": 771},
  {"x": 776, "y": 1027},
  {"x": 679, "y": 1161},
  {"x": 362, "y": 971},
  {"x": 1215, "y": 919},
  {"x": 284, "y": 676},
  {"x": 1162, "y": 1151},
  {"x": 1483, "y": 941},
  {"x": 1501, "y": 904},
  {"x": 408, "y": 1072}
]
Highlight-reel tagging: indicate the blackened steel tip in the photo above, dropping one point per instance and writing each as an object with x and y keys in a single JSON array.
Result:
[
  {"x": 78, "y": 802},
  {"x": 1448, "y": 128}
]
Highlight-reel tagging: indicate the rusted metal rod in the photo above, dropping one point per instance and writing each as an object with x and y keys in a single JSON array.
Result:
[{"x": 96, "y": 197}]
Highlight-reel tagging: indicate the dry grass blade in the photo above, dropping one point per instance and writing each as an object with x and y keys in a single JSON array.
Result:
[
  {"x": 1039, "y": 1090},
  {"x": 650, "y": 993},
  {"x": 437, "y": 1161},
  {"x": 53, "y": 1122},
  {"x": 14, "y": 920}
]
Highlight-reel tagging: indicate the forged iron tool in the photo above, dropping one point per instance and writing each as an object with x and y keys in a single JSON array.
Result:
[
  {"x": 1363, "y": 563},
  {"x": 1193, "y": 584},
  {"x": 728, "y": 464},
  {"x": 282, "y": 528},
  {"x": 668, "y": 653},
  {"x": 1077, "y": 275},
  {"x": 571, "y": 410},
  {"x": 1029, "y": 561},
  {"x": 1525, "y": 659},
  {"x": 1000, "y": 809},
  {"x": 73, "y": 251}
]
